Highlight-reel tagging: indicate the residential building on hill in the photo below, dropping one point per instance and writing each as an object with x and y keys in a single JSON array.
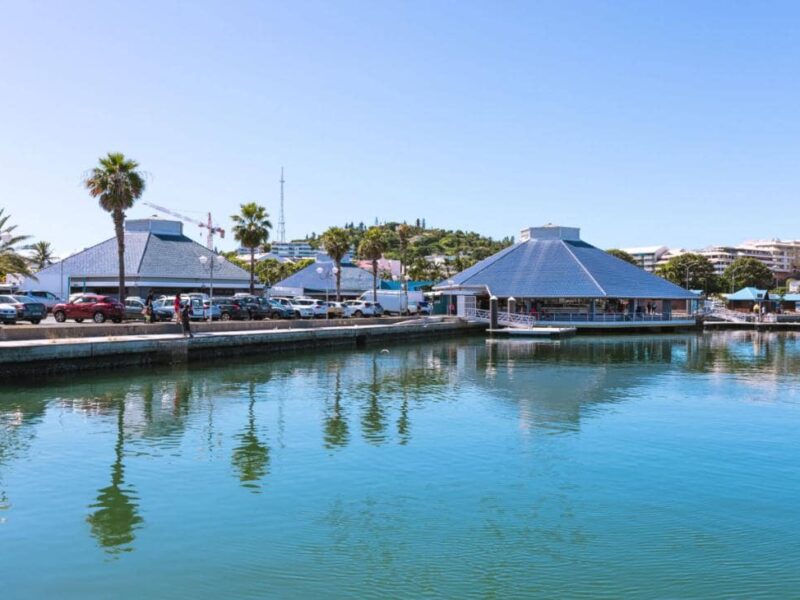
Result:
[{"x": 647, "y": 256}]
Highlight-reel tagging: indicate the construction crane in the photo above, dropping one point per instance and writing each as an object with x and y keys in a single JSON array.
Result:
[{"x": 212, "y": 229}]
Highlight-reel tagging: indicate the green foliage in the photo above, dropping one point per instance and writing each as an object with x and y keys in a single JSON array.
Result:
[
  {"x": 748, "y": 272},
  {"x": 251, "y": 229},
  {"x": 373, "y": 245},
  {"x": 271, "y": 271},
  {"x": 337, "y": 241},
  {"x": 692, "y": 271},
  {"x": 41, "y": 255},
  {"x": 411, "y": 244},
  {"x": 622, "y": 255},
  {"x": 116, "y": 183},
  {"x": 11, "y": 261}
]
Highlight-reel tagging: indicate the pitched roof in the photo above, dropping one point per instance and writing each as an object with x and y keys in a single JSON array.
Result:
[
  {"x": 147, "y": 254},
  {"x": 563, "y": 268},
  {"x": 353, "y": 279},
  {"x": 747, "y": 294}
]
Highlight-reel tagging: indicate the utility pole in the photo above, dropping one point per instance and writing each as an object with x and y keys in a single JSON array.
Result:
[{"x": 282, "y": 219}]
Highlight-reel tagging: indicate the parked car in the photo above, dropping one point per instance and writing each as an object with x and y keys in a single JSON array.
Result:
[
  {"x": 393, "y": 302},
  {"x": 134, "y": 309},
  {"x": 251, "y": 304},
  {"x": 27, "y": 308},
  {"x": 318, "y": 307},
  {"x": 49, "y": 299},
  {"x": 8, "y": 313},
  {"x": 335, "y": 310},
  {"x": 275, "y": 309},
  {"x": 359, "y": 308},
  {"x": 90, "y": 306},
  {"x": 425, "y": 307},
  {"x": 229, "y": 309}
]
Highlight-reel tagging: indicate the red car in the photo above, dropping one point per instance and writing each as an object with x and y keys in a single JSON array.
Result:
[{"x": 90, "y": 306}]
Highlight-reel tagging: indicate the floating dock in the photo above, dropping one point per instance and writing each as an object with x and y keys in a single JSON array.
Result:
[{"x": 539, "y": 332}]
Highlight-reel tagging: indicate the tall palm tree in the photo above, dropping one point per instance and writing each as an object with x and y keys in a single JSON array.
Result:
[
  {"x": 371, "y": 248},
  {"x": 403, "y": 235},
  {"x": 11, "y": 261},
  {"x": 117, "y": 184},
  {"x": 336, "y": 242},
  {"x": 41, "y": 255},
  {"x": 251, "y": 229}
]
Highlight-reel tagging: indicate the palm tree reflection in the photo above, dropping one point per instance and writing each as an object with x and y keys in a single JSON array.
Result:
[
  {"x": 251, "y": 456},
  {"x": 116, "y": 517},
  {"x": 337, "y": 431},
  {"x": 372, "y": 421}
]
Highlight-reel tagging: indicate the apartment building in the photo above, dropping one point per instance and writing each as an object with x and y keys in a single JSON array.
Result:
[{"x": 647, "y": 257}]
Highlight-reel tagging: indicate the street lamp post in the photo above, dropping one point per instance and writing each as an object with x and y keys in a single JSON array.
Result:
[
  {"x": 206, "y": 261},
  {"x": 325, "y": 275}
]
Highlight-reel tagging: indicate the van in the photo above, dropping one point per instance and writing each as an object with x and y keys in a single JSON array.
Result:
[{"x": 394, "y": 303}]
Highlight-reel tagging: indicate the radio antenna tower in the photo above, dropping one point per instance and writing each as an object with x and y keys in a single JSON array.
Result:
[{"x": 281, "y": 218}]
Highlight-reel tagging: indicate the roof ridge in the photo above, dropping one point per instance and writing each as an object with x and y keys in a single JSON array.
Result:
[
  {"x": 489, "y": 262},
  {"x": 585, "y": 270},
  {"x": 144, "y": 252}
]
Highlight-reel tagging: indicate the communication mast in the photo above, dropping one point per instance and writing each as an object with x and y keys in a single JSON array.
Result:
[
  {"x": 212, "y": 229},
  {"x": 281, "y": 217}
]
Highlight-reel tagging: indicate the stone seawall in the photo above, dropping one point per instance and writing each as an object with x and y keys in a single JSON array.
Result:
[{"x": 38, "y": 358}]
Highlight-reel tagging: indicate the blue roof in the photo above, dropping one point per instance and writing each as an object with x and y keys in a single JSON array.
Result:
[
  {"x": 749, "y": 294},
  {"x": 353, "y": 279},
  {"x": 147, "y": 254},
  {"x": 563, "y": 268}
]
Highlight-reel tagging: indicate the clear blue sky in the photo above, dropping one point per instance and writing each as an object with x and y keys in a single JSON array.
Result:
[{"x": 643, "y": 123}]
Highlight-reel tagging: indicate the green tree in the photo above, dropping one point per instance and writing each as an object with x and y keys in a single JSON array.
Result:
[
  {"x": 117, "y": 184},
  {"x": 748, "y": 272},
  {"x": 251, "y": 229},
  {"x": 622, "y": 255},
  {"x": 11, "y": 261},
  {"x": 41, "y": 255},
  {"x": 336, "y": 242},
  {"x": 372, "y": 247},
  {"x": 403, "y": 237},
  {"x": 692, "y": 271}
]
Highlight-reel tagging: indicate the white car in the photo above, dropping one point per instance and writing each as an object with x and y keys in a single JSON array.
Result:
[
  {"x": 8, "y": 314},
  {"x": 300, "y": 311},
  {"x": 359, "y": 308},
  {"x": 47, "y": 298},
  {"x": 318, "y": 307}
]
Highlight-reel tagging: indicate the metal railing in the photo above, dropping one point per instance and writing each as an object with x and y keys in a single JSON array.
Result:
[{"x": 522, "y": 320}]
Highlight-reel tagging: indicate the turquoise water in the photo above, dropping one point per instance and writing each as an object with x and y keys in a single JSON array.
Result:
[{"x": 595, "y": 467}]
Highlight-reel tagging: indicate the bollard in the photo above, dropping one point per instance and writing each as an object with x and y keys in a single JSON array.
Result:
[{"x": 493, "y": 312}]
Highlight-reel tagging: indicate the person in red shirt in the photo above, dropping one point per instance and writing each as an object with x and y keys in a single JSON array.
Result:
[{"x": 177, "y": 306}]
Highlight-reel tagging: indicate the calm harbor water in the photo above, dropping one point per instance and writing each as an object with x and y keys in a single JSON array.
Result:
[{"x": 594, "y": 467}]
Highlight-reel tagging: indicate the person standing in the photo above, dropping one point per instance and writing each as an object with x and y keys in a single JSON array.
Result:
[
  {"x": 148, "y": 308},
  {"x": 185, "y": 314},
  {"x": 176, "y": 306}
]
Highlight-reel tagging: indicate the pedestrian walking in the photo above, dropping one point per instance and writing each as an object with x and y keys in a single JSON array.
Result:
[{"x": 186, "y": 313}]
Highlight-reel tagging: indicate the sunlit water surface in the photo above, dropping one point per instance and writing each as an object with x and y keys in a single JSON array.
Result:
[{"x": 599, "y": 467}]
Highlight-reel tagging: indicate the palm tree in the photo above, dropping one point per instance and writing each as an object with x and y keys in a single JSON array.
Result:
[
  {"x": 336, "y": 242},
  {"x": 117, "y": 184},
  {"x": 11, "y": 261},
  {"x": 371, "y": 248},
  {"x": 251, "y": 229},
  {"x": 403, "y": 235},
  {"x": 41, "y": 255}
]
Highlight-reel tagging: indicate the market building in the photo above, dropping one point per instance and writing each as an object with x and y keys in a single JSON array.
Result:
[
  {"x": 551, "y": 276},
  {"x": 159, "y": 258}
]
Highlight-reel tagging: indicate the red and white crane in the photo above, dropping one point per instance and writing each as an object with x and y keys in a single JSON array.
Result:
[{"x": 212, "y": 229}]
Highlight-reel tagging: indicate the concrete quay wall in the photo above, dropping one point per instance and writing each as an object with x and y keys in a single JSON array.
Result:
[{"x": 38, "y": 358}]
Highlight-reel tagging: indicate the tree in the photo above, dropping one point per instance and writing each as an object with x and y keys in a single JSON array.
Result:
[
  {"x": 692, "y": 271},
  {"x": 622, "y": 255},
  {"x": 117, "y": 184},
  {"x": 41, "y": 255},
  {"x": 371, "y": 248},
  {"x": 403, "y": 236},
  {"x": 336, "y": 242},
  {"x": 11, "y": 261},
  {"x": 747, "y": 272},
  {"x": 251, "y": 229}
]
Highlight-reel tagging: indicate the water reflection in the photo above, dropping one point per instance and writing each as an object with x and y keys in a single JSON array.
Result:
[
  {"x": 116, "y": 510},
  {"x": 251, "y": 456},
  {"x": 380, "y": 398}
]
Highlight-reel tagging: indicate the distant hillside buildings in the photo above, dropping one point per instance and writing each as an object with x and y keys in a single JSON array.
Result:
[{"x": 782, "y": 257}]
